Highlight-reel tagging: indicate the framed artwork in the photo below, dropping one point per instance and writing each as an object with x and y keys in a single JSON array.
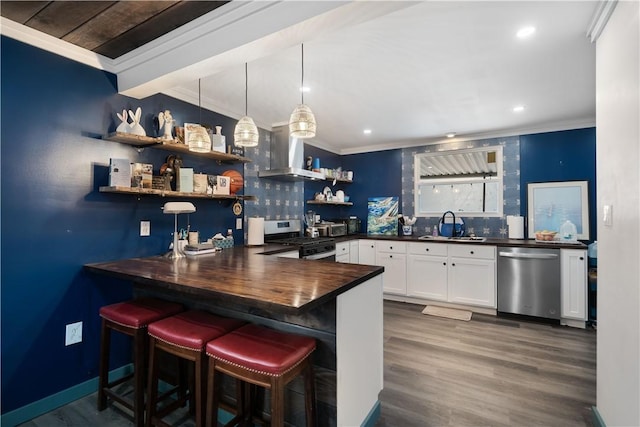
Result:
[
  {"x": 382, "y": 218},
  {"x": 550, "y": 204}
]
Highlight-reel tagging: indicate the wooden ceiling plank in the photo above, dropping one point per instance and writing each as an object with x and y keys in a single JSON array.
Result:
[
  {"x": 21, "y": 11},
  {"x": 62, "y": 17},
  {"x": 114, "y": 21},
  {"x": 179, "y": 14}
]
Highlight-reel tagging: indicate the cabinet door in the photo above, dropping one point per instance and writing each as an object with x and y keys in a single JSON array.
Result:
[
  {"x": 394, "y": 280},
  {"x": 573, "y": 267},
  {"x": 342, "y": 252},
  {"x": 367, "y": 252},
  {"x": 354, "y": 255},
  {"x": 427, "y": 277},
  {"x": 472, "y": 281}
]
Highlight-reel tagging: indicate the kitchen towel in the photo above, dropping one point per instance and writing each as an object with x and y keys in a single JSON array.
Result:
[
  {"x": 255, "y": 232},
  {"x": 516, "y": 226}
]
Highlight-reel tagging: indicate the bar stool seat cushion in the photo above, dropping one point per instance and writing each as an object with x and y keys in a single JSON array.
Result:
[
  {"x": 262, "y": 350},
  {"x": 139, "y": 313},
  {"x": 192, "y": 329}
]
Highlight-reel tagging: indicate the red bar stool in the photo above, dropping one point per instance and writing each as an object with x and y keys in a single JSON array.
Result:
[
  {"x": 266, "y": 358},
  {"x": 130, "y": 318},
  {"x": 184, "y": 335}
]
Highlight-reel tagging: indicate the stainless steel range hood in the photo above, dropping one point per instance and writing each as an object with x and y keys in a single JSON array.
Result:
[{"x": 287, "y": 158}]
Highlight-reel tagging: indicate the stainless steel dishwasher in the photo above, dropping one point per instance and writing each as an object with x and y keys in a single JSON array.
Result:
[{"x": 529, "y": 281}]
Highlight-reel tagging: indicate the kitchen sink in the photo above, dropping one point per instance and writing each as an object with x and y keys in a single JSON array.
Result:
[{"x": 454, "y": 239}]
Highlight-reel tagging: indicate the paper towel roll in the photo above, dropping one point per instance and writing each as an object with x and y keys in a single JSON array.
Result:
[
  {"x": 516, "y": 226},
  {"x": 255, "y": 232}
]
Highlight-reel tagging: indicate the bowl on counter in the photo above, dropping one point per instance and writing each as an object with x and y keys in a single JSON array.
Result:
[{"x": 546, "y": 236}]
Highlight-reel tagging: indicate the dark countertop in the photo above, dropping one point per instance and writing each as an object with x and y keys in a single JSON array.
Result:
[
  {"x": 245, "y": 276},
  {"x": 527, "y": 243}
]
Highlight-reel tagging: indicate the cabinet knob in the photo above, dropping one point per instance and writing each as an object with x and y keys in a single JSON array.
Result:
[
  {"x": 581, "y": 258},
  {"x": 453, "y": 264},
  {"x": 471, "y": 252},
  {"x": 390, "y": 256},
  {"x": 444, "y": 263},
  {"x": 427, "y": 249},
  {"x": 390, "y": 247}
]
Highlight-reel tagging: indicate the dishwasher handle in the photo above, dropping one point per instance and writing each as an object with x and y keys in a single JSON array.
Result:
[{"x": 527, "y": 255}]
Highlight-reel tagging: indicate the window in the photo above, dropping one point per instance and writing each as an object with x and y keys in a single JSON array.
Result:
[{"x": 466, "y": 181}]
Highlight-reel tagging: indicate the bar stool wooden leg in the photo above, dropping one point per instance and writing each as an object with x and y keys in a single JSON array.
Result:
[{"x": 103, "y": 376}]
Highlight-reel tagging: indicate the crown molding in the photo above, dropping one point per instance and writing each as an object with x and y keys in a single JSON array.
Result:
[
  {"x": 601, "y": 16},
  {"x": 52, "y": 44}
]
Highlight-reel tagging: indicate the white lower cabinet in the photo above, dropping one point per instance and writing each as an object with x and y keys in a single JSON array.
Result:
[
  {"x": 354, "y": 253},
  {"x": 367, "y": 252},
  {"x": 573, "y": 267},
  {"x": 342, "y": 252},
  {"x": 457, "y": 273},
  {"x": 427, "y": 271},
  {"x": 392, "y": 255}
]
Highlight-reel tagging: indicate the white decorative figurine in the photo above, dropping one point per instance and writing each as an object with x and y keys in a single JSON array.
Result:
[
  {"x": 165, "y": 121},
  {"x": 136, "y": 127},
  {"x": 123, "y": 127}
]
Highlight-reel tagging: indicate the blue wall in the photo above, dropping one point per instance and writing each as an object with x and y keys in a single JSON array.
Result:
[
  {"x": 560, "y": 156},
  {"x": 54, "y": 220}
]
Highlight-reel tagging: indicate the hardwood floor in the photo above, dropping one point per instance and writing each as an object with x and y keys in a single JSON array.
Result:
[
  {"x": 440, "y": 372},
  {"x": 486, "y": 372}
]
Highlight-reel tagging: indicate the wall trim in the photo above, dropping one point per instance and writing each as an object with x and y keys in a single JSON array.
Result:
[
  {"x": 373, "y": 416},
  {"x": 56, "y": 400},
  {"x": 54, "y": 45},
  {"x": 64, "y": 397},
  {"x": 600, "y": 18},
  {"x": 597, "y": 419}
]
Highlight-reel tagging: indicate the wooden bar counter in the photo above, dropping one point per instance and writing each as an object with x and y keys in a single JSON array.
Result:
[{"x": 338, "y": 304}]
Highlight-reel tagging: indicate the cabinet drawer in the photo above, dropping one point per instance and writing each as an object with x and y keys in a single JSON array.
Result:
[
  {"x": 393, "y": 247},
  {"x": 464, "y": 250},
  {"x": 436, "y": 249}
]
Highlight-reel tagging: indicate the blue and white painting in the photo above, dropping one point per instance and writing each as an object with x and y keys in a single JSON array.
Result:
[{"x": 382, "y": 218}]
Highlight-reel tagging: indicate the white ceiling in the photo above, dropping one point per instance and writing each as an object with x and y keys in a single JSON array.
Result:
[{"x": 409, "y": 71}]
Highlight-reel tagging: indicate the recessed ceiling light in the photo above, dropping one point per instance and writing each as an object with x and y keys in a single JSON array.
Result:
[
  {"x": 451, "y": 135},
  {"x": 518, "y": 108},
  {"x": 525, "y": 32},
  {"x": 367, "y": 131},
  {"x": 305, "y": 89}
]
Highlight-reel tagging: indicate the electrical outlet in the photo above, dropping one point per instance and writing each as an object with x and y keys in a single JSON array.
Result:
[
  {"x": 73, "y": 333},
  {"x": 145, "y": 228},
  {"x": 238, "y": 223}
]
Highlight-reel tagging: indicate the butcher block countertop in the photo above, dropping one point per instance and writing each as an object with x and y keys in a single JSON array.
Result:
[{"x": 245, "y": 276}]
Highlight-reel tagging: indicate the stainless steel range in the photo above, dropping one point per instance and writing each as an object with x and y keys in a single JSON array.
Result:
[{"x": 289, "y": 232}]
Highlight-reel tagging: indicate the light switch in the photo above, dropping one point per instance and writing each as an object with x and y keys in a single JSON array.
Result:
[
  {"x": 145, "y": 228},
  {"x": 238, "y": 223},
  {"x": 607, "y": 215}
]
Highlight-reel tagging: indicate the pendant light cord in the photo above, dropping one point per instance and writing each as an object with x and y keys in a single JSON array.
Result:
[
  {"x": 302, "y": 81},
  {"x": 246, "y": 90},
  {"x": 199, "y": 103}
]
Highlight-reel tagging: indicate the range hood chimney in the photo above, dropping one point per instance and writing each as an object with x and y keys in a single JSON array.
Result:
[{"x": 287, "y": 158}]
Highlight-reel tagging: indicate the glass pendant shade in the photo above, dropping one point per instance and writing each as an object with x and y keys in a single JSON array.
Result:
[
  {"x": 246, "y": 133},
  {"x": 302, "y": 123},
  {"x": 199, "y": 140}
]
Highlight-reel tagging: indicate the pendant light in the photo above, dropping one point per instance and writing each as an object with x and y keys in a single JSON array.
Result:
[
  {"x": 246, "y": 131},
  {"x": 302, "y": 123},
  {"x": 198, "y": 139}
]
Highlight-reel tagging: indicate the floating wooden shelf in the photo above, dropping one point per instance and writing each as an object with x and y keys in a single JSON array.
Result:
[
  {"x": 320, "y": 202},
  {"x": 163, "y": 144},
  {"x": 346, "y": 181},
  {"x": 170, "y": 193}
]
